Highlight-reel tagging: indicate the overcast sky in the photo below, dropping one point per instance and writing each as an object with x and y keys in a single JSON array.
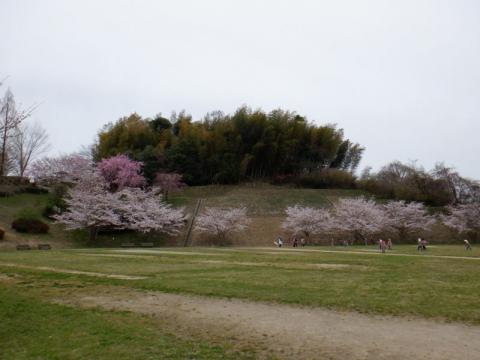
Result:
[{"x": 400, "y": 77}]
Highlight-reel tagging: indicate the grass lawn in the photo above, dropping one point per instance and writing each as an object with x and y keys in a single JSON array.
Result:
[
  {"x": 437, "y": 284},
  {"x": 34, "y": 329},
  {"x": 442, "y": 283}
]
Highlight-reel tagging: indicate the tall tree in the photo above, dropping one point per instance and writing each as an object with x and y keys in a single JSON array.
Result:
[
  {"x": 10, "y": 118},
  {"x": 28, "y": 143}
]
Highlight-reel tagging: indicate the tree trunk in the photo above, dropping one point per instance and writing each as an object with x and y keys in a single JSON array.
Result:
[{"x": 93, "y": 234}]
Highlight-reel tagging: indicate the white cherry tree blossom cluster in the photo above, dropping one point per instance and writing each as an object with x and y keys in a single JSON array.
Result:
[
  {"x": 308, "y": 221},
  {"x": 406, "y": 218},
  {"x": 221, "y": 222},
  {"x": 360, "y": 217},
  {"x": 465, "y": 217},
  {"x": 65, "y": 168},
  {"x": 90, "y": 205}
]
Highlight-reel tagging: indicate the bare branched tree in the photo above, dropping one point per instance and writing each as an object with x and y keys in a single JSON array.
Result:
[
  {"x": 10, "y": 118},
  {"x": 29, "y": 142}
]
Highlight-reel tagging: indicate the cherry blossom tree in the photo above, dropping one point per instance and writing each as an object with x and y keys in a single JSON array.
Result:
[
  {"x": 406, "y": 218},
  {"x": 308, "y": 220},
  {"x": 222, "y": 222},
  {"x": 360, "y": 217},
  {"x": 169, "y": 182},
  {"x": 145, "y": 212},
  {"x": 90, "y": 205},
  {"x": 64, "y": 168},
  {"x": 465, "y": 217},
  {"x": 120, "y": 171}
]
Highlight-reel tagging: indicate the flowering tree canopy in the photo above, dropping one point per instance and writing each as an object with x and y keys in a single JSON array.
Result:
[
  {"x": 406, "y": 218},
  {"x": 68, "y": 168},
  {"x": 360, "y": 216},
  {"x": 465, "y": 217},
  {"x": 169, "y": 182},
  {"x": 90, "y": 205},
  {"x": 221, "y": 222},
  {"x": 120, "y": 171},
  {"x": 144, "y": 212},
  {"x": 307, "y": 220}
]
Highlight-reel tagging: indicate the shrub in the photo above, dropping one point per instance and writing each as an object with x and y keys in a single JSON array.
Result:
[
  {"x": 31, "y": 226},
  {"x": 327, "y": 178},
  {"x": 56, "y": 203},
  {"x": 7, "y": 190},
  {"x": 29, "y": 221},
  {"x": 2, "y": 233},
  {"x": 32, "y": 189}
]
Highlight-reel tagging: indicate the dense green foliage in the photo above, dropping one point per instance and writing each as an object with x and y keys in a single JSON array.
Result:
[{"x": 228, "y": 148}]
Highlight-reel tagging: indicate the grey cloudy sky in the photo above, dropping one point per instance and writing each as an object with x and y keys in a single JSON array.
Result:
[{"x": 401, "y": 77}]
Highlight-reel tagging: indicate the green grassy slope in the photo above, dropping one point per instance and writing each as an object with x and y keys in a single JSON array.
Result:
[{"x": 265, "y": 204}]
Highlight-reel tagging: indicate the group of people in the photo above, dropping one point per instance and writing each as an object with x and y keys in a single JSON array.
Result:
[
  {"x": 421, "y": 244},
  {"x": 383, "y": 245},
  {"x": 294, "y": 241}
]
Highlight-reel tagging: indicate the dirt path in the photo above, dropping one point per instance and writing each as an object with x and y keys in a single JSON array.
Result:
[{"x": 296, "y": 332}]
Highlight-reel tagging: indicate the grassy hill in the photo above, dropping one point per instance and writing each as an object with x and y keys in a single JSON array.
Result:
[{"x": 265, "y": 204}]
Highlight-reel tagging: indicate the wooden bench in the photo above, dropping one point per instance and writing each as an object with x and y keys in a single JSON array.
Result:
[
  {"x": 44, "y": 247},
  {"x": 127, "y": 245},
  {"x": 23, "y": 247},
  {"x": 146, "y": 244}
]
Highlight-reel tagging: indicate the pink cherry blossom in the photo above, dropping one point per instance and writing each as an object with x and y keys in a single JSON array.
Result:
[{"x": 120, "y": 171}]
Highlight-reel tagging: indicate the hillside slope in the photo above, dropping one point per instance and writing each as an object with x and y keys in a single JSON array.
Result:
[{"x": 265, "y": 204}]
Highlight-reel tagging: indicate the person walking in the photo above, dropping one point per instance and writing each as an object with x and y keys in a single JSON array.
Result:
[
  {"x": 302, "y": 242},
  {"x": 424, "y": 244},
  {"x": 389, "y": 244},
  {"x": 278, "y": 242},
  {"x": 383, "y": 246},
  {"x": 467, "y": 244},
  {"x": 295, "y": 242},
  {"x": 419, "y": 245}
]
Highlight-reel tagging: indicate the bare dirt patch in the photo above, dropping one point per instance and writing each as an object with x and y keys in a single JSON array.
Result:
[
  {"x": 76, "y": 272},
  {"x": 295, "y": 332},
  {"x": 287, "y": 265},
  {"x": 163, "y": 252},
  {"x": 118, "y": 256}
]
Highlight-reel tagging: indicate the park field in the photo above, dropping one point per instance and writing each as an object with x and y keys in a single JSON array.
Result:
[{"x": 109, "y": 303}]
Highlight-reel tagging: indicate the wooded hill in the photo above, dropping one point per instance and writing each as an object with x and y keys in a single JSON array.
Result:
[{"x": 225, "y": 149}]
